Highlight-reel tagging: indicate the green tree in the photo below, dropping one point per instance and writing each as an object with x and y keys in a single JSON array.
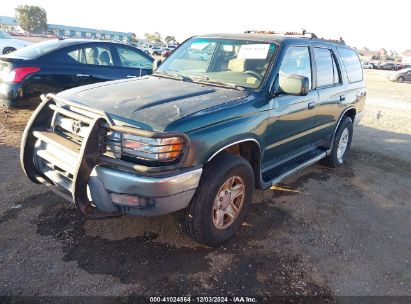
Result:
[
  {"x": 153, "y": 37},
  {"x": 170, "y": 40},
  {"x": 134, "y": 38},
  {"x": 32, "y": 18}
]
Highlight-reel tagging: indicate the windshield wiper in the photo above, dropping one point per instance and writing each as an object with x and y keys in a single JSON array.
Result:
[
  {"x": 207, "y": 80},
  {"x": 171, "y": 75},
  {"x": 197, "y": 79}
]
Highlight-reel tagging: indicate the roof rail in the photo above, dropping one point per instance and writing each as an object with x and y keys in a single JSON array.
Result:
[{"x": 303, "y": 34}]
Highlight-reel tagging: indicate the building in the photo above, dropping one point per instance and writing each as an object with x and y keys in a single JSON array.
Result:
[
  {"x": 406, "y": 57},
  {"x": 11, "y": 24},
  {"x": 8, "y": 24},
  {"x": 80, "y": 32}
]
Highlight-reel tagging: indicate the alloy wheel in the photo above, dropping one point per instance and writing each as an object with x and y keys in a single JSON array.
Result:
[
  {"x": 228, "y": 202},
  {"x": 343, "y": 143}
]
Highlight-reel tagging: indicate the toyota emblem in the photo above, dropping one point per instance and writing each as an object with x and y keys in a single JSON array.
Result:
[{"x": 76, "y": 127}]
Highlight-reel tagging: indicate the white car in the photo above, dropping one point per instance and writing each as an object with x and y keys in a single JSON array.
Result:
[
  {"x": 9, "y": 44},
  {"x": 367, "y": 66}
]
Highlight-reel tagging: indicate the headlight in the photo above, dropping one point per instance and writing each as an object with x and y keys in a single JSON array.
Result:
[{"x": 151, "y": 149}]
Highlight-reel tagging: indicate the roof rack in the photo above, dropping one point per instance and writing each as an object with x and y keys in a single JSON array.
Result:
[{"x": 303, "y": 34}]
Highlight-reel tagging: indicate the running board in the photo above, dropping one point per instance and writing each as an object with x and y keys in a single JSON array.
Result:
[{"x": 279, "y": 173}]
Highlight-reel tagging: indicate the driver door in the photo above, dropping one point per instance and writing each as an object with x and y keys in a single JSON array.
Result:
[{"x": 292, "y": 118}]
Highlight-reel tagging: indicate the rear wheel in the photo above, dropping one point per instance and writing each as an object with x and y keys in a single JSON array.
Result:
[
  {"x": 7, "y": 50},
  {"x": 341, "y": 144},
  {"x": 221, "y": 202}
]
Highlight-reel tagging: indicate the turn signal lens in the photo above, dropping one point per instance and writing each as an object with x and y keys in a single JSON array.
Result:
[{"x": 131, "y": 200}]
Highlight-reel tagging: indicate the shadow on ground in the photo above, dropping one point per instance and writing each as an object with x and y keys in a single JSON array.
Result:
[{"x": 160, "y": 268}]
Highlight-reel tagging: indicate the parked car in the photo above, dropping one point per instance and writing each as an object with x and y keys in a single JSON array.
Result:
[
  {"x": 155, "y": 50},
  {"x": 144, "y": 48},
  {"x": 368, "y": 66},
  {"x": 197, "y": 137},
  {"x": 404, "y": 66},
  {"x": 389, "y": 66},
  {"x": 9, "y": 44},
  {"x": 57, "y": 65},
  {"x": 166, "y": 53},
  {"x": 401, "y": 75}
]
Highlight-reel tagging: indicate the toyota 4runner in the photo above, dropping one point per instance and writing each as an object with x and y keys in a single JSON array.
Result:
[{"x": 223, "y": 115}]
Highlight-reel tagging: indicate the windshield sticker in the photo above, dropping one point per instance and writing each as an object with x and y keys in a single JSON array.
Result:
[{"x": 253, "y": 51}]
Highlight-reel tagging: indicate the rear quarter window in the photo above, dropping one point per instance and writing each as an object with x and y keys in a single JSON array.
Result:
[{"x": 352, "y": 64}]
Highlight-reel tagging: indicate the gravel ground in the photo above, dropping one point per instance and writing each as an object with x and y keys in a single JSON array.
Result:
[{"x": 329, "y": 232}]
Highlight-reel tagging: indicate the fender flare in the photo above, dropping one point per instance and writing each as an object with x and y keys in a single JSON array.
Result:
[
  {"x": 338, "y": 124},
  {"x": 248, "y": 139}
]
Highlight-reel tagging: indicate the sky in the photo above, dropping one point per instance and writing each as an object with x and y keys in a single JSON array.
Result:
[{"x": 374, "y": 24}]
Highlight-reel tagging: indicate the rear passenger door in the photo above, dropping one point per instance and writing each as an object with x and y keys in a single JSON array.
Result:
[
  {"x": 133, "y": 62},
  {"x": 331, "y": 91}
]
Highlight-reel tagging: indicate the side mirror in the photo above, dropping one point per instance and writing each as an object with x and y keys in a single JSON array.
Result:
[
  {"x": 156, "y": 64},
  {"x": 292, "y": 85}
]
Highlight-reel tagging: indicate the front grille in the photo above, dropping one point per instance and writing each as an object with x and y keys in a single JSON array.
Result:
[
  {"x": 57, "y": 149},
  {"x": 69, "y": 128}
]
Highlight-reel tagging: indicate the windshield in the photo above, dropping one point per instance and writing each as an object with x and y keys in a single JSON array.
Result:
[
  {"x": 4, "y": 35},
  {"x": 232, "y": 62},
  {"x": 36, "y": 49}
]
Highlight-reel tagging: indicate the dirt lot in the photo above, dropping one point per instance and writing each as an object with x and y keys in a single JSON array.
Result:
[{"x": 331, "y": 232}]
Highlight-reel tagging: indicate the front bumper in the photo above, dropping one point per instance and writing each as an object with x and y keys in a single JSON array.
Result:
[
  {"x": 162, "y": 194},
  {"x": 98, "y": 185}
]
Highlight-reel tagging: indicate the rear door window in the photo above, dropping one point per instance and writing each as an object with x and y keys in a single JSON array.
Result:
[
  {"x": 327, "y": 70},
  {"x": 96, "y": 55},
  {"x": 352, "y": 64}
]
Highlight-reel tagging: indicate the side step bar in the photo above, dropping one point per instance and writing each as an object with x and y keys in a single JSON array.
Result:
[{"x": 279, "y": 173}]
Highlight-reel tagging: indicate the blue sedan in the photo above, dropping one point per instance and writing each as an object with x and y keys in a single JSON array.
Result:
[{"x": 56, "y": 65}]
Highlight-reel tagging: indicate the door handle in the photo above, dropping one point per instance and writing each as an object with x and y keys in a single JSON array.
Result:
[
  {"x": 342, "y": 97},
  {"x": 131, "y": 76},
  {"x": 83, "y": 75},
  {"x": 311, "y": 105}
]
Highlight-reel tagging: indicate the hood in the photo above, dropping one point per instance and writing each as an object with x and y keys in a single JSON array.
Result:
[
  {"x": 18, "y": 43},
  {"x": 151, "y": 103}
]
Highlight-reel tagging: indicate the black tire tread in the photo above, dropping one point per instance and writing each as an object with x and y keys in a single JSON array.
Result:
[
  {"x": 192, "y": 228},
  {"x": 331, "y": 160}
]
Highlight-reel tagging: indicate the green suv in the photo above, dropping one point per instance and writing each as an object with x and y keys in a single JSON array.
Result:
[{"x": 223, "y": 115}]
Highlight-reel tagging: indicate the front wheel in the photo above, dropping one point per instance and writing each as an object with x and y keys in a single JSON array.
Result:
[
  {"x": 400, "y": 79},
  {"x": 341, "y": 144},
  {"x": 221, "y": 202}
]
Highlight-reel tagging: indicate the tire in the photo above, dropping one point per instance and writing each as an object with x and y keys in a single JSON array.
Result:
[
  {"x": 7, "y": 104},
  {"x": 400, "y": 79},
  {"x": 201, "y": 220},
  {"x": 337, "y": 156},
  {"x": 7, "y": 50}
]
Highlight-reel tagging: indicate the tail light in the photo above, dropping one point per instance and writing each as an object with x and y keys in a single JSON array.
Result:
[{"x": 18, "y": 74}]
